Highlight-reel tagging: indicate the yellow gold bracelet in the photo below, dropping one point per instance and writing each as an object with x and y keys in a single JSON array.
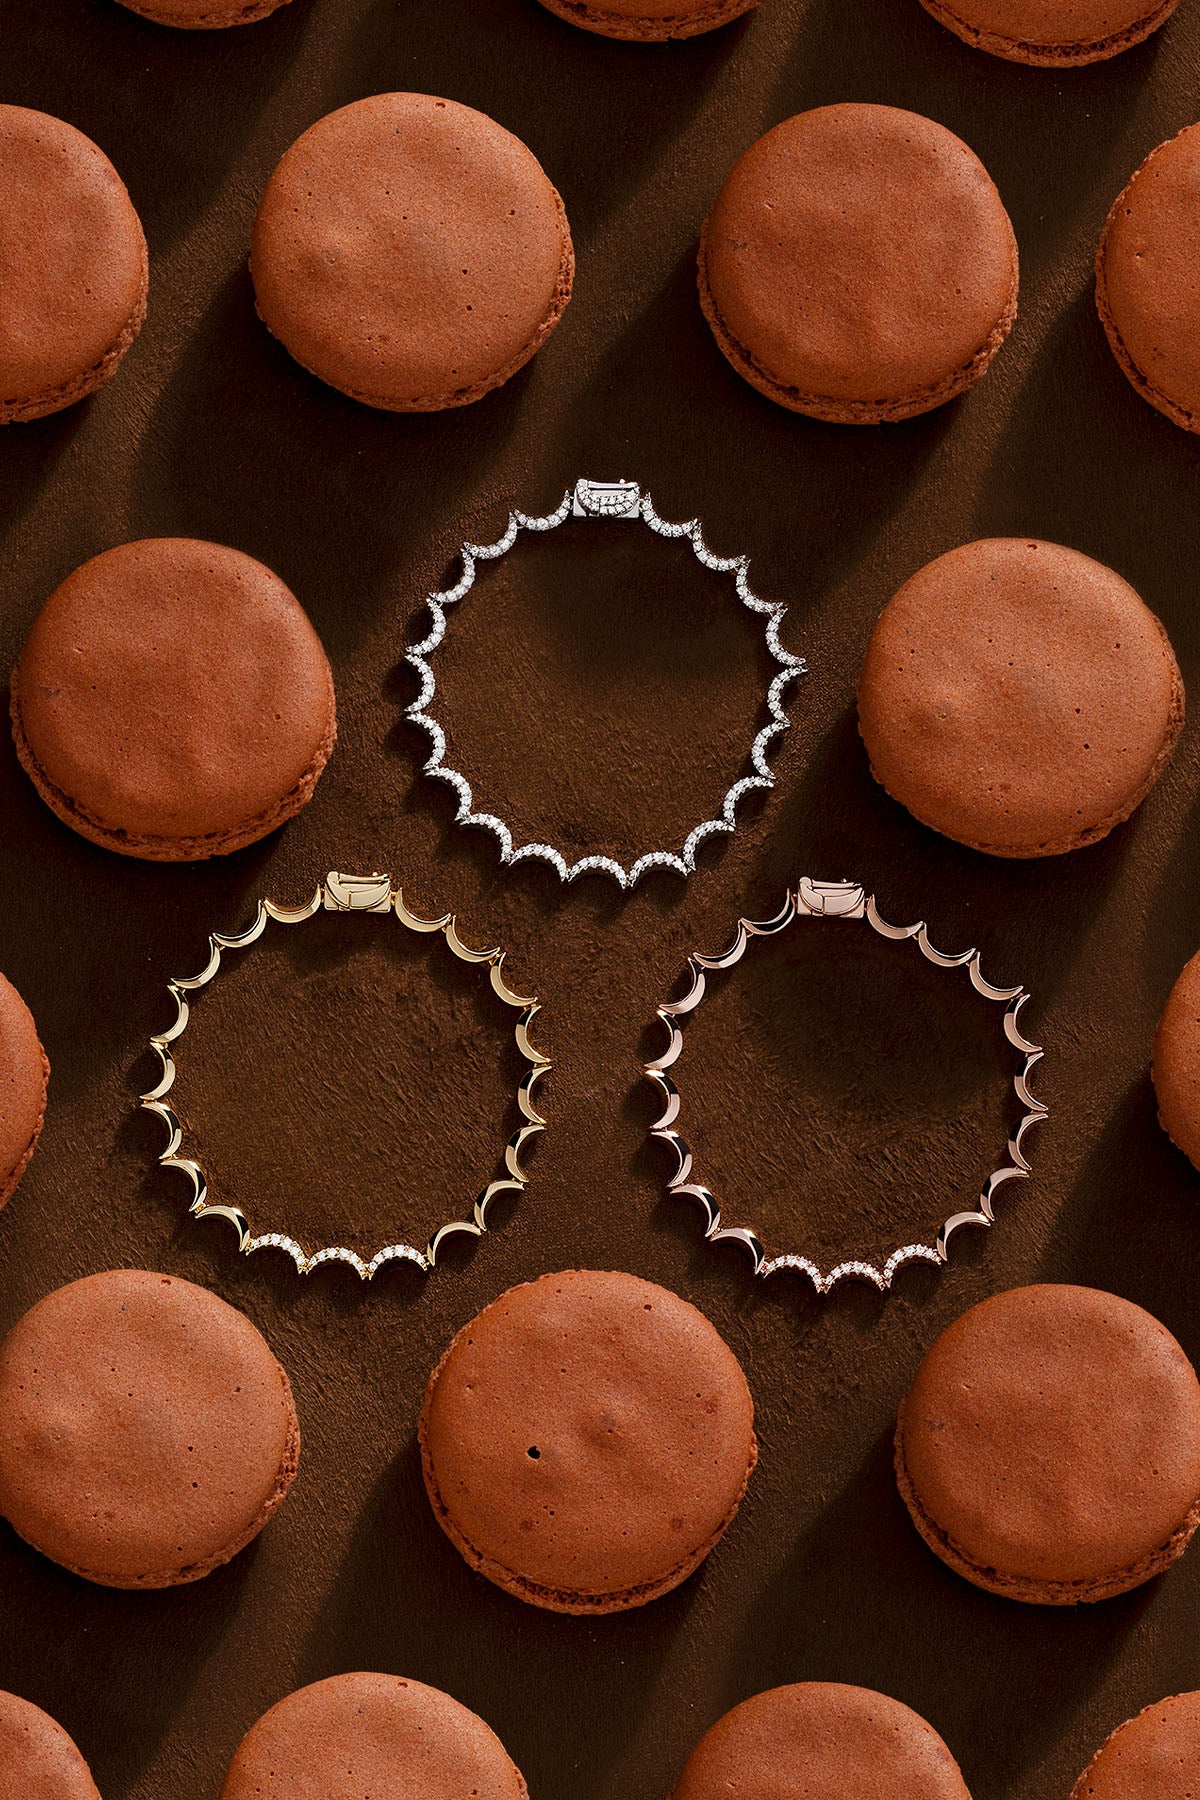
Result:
[{"x": 348, "y": 894}]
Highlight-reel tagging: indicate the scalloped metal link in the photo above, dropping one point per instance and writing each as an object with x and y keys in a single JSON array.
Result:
[
  {"x": 349, "y": 894},
  {"x": 603, "y": 500},
  {"x": 844, "y": 900}
]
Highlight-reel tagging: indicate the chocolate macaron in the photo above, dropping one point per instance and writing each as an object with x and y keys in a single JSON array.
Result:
[
  {"x": 376, "y": 1736},
  {"x": 173, "y": 701},
  {"x": 1153, "y": 1757},
  {"x": 1052, "y": 34},
  {"x": 147, "y": 1433},
  {"x": 73, "y": 268},
  {"x": 24, "y": 1073},
  {"x": 38, "y": 1761},
  {"x": 203, "y": 15},
  {"x": 1176, "y": 1064},
  {"x": 821, "y": 1740},
  {"x": 649, "y": 21},
  {"x": 1019, "y": 697},
  {"x": 859, "y": 265},
  {"x": 1146, "y": 289},
  {"x": 1049, "y": 1448},
  {"x": 586, "y": 1440},
  {"x": 411, "y": 252}
]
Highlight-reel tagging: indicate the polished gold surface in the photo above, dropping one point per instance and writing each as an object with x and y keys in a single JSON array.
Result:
[{"x": 351, "y": 894}]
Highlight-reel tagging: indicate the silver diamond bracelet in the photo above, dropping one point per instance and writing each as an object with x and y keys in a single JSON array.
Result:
[{"x": 603, "y": 500}]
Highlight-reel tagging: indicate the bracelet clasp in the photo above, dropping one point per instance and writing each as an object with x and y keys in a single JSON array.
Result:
[{"x": 357, "y": 893}]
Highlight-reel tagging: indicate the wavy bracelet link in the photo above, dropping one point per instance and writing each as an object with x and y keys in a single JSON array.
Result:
[
  {"x": 353, "y": 894},
  {"x": 602, "y": 500},
  {"x": 838, "y": 900}
]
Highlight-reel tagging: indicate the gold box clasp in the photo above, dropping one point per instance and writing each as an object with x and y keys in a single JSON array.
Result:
[{"x": 357, "y": 893}]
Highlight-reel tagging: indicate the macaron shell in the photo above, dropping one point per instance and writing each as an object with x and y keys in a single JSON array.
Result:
[
  {"x": 411, "y": 252},
  {"x": 821, "y": 1740},
  {"x": 1176, "y": 1064},
  {"x": 586, "y": 1440},
  {"x": 38, "y": 1761},
  {"x": 1153, "y": 1757},
  {"x": 73, "y": 265},
  {"x": 186, "y": 15},
  {"x": 371, "y": 1737},
  {"x": 173, "y": 700},
  {"x": 859, "y": 260},
  {"x": 1019, "y": 697},
  {"x": 1148, "y": 279},
  {"x": 649, "y": 21},
  {"x": 146, "y": 1431},
  {"x": 1049, "y": 1446},
  {"x": 1052, "y": 33},
  {"x": 24, "y": 1072}
]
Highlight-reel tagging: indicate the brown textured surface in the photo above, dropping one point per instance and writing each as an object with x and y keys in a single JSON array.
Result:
[
  {"x": 819, "y": 1740},
  {"x": 1147, "y": 287},
  {"x": 366, "y": 1736},
  {"x": 38, "y": 1761},
  {"x": 72, "y": 265},
  {"x": 24, "y": 1073},
  {"x": 172, "y": 700},
  {"x": 148, "y": 1433},
  {"x": 1176, "y": 1062},
  {"x": 586, "y": 1440},
  {"x": 211, "y": 431},
  {"x": 1049, "y": 1447},
  {"x": 859, "y": 265},
  {"x": 1052, "y": 33},
  {"x": 411, "y": 252},
  {"x": 1155, "y": 1756},
  {"x": 1019, "y": 697}
]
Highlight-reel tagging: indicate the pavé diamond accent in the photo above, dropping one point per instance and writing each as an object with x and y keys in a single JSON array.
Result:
[
  {"x": 844, "y": 900},
  {"x": 350, "y": 894},
  {"x": 601, "y": 500}
]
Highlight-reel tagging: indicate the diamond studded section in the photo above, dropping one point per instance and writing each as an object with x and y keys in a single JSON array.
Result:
[
  {"x": 351, "y": 894},
  {"x": 845, "y": 901},
  {"x": 600, "y": 500}
]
